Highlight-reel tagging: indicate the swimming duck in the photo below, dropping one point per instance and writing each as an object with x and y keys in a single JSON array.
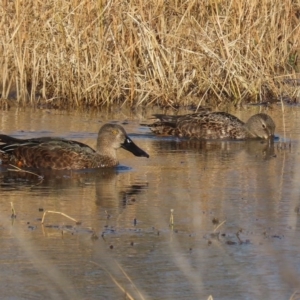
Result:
[
  {"x": 214, "y": 125},
  {"x": 62, "y": 154}
]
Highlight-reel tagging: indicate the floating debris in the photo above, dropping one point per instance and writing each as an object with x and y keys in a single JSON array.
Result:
[{"x": 215, "y": 221}]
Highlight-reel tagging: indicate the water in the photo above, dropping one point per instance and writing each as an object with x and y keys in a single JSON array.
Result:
[{"x": 236, "y": 226}]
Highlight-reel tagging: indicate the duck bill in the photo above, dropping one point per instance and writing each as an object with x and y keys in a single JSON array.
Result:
[
  {"x": 269, "y": 135},
  {"x": 130, "y": 146},
  {"x": 271, "y": 139}
]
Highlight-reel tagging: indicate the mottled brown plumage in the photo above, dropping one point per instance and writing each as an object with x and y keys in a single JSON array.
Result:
[
  {"x": 214, "y": 125},
  {"x": 61, "y": 154}
]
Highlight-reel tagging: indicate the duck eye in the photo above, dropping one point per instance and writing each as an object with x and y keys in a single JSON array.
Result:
[{"x": 263, "y": 126}]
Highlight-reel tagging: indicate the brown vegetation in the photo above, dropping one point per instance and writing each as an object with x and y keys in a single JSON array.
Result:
[{"x": 90, "y": 53}]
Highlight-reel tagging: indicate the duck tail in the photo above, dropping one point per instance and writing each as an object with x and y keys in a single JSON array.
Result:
[{"x": 6, "y": 139}]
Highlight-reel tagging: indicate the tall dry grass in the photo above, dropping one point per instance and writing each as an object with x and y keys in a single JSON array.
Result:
[{"x": 90, "y": 53}]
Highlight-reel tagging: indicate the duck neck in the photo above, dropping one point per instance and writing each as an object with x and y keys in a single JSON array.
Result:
[
  {"x": 248, "y": 132},
  {"x": 104, "y": 149}
]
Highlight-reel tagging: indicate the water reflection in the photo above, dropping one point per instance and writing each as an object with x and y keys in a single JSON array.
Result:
[
  {"x": 110, "y": 191},
  {"x": 224, "y": 149}
]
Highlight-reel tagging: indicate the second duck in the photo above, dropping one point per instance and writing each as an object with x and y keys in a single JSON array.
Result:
[{"x": 214, "y": 125}]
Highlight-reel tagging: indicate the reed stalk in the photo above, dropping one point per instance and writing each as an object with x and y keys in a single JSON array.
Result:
[{"x": 171, "y": 53}]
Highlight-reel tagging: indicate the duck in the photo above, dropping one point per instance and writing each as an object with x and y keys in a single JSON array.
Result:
[
  {"x": 62, "y": 154},
  {"x": 207, "y": 125}
]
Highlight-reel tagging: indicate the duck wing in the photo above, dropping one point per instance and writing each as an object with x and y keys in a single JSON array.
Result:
[
  {"x": 210, "y": 125},
  {"x": 48, "y": 152}
]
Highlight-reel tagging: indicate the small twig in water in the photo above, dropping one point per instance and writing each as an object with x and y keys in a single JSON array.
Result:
[
  {"x": 171, "y": 217},
  {"x": 13, "y": 212},
  {"x": 60, "y": 213},
  {"x": 17, "y": 169},
  {"x": 219, "y": 225}
]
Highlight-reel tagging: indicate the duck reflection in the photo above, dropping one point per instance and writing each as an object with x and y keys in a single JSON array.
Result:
[
  {"x": 111, "y": 187},
  {"x": 118, "y": 190},
  {"x": 51, "y": 179},
  {"x": 256, "y": 148}
]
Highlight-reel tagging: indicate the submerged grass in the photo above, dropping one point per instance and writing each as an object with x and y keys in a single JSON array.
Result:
[{"x": 171, "y": 53}]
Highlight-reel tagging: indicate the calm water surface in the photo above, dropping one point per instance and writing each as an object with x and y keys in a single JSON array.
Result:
[{"x": 236, "y": 232}]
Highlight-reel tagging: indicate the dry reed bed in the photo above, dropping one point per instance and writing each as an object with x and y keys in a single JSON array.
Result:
[{"x": 90, "y": 53}]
